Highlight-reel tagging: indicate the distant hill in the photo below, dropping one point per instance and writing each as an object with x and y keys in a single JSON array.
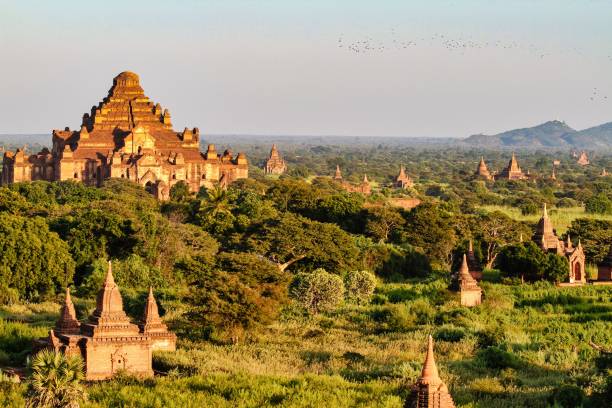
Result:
[{"x": 553, "y": 134}]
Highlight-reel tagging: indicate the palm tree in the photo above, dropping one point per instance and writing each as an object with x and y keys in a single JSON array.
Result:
[
  {"x": 56, "y": 381},
  {"x": 216, "y": 203}
]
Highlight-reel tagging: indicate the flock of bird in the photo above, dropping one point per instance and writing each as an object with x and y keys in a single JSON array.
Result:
[
  {"x": 461, "y": 45},
  {"x": 369, "y": 45}
]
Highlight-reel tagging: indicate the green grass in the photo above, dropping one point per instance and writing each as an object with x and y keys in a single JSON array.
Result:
[
  {"x": 369, "y": 355},
  {"x": 560, "y": 217}
]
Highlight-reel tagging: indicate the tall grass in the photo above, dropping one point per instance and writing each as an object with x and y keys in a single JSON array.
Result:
[{"x": 560, "y": 217}]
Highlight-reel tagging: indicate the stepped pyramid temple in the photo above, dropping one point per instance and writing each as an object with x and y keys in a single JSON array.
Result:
[
  {"x": 127, "y": 136},
  {"x": 473, "y": 265},
  {"x": 363, "y": 188},
  {"x": 403, "y": 180},
  {"x": 604, "y": 269},
  {"x": 546, "y": 238},
  {"x": 108, "y": 341},
  {"x": 512, "y": 172},
  {"x": 583, "y": 160},
  {"x": 429, "y": 390},
  {"x": 469, "y": 291},
  {"x": 482, "y": 171},
  {"x": 275, "y": 163}
]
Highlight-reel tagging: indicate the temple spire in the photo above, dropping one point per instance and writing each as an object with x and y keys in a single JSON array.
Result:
[
  {"x": 365, "y": 179},
  {"x": 67, "y": 323},
  {"x": 429, "y": 374},
  {"x": 338, "y": 175},
  {"x": 470, "y": 247},
  {"x": 151, "y": 312},
  {"x": 109, "y": 280}
]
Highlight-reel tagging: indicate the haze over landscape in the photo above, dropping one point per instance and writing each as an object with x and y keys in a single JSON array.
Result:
[{"x": 397, "y": 68}]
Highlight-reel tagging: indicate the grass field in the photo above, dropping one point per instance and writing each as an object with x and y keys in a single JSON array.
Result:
[
  {"x": 561, "y": 217},
  {"x": 368, "y": 355}
]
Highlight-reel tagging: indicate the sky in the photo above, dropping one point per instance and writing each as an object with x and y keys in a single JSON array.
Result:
[{"x": 430, "y": 68}]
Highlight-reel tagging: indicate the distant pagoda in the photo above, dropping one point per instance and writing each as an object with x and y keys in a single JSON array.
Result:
[
  {"x": 583, "y": 160},
  {"x": 403, "y": 180},
  {"x": 470, "y": 292},
  {"x": 473, "y": 264},
  {"x": 338, "y": 175},
  {"x": 546, "y": 238},
  {"x": 429, "y": 391},
  {"x": 512, "y": 171},
  {"x": 482, "y": 170},
  {"x": 275, "y": 163}
]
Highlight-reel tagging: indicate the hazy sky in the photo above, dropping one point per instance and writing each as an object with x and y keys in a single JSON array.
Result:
[{"x": 448, "y": 68}]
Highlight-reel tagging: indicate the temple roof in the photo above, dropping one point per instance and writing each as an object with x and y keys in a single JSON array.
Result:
[
  {"x": 430, "y": 391},
  {"x": 545, "y": 235},
  {"x": 464, "y": 277},
  {"x": 67, "y": 323}
]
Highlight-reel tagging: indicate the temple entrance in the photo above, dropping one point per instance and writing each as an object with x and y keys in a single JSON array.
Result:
[
  {"x": 149, "y": 187},
  {"x": 577, "y": 272}
]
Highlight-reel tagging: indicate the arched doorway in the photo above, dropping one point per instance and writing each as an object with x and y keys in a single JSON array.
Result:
[
  {"x": 577, "y": 272},
  {"x": 149, "y": 187}
]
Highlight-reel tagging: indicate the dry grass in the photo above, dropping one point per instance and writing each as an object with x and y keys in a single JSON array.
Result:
[{"x": 561, "y": 217}]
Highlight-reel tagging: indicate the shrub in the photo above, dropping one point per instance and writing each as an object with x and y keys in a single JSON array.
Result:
[
  {"x": 492, "y": 336},
  {"x": 393, "y": 318},
  {"x": 318, "y": 291},
  {"x": 56, "y": 380},
  {"x": 450, "y": 333},
  {"x": 568, "y": 396},
  {"x": 359, "y": 286},
  {"x": 494, "y": 357},
  {"x": 423, "y": 311},
  {"x": 529, "y": 208},
  {"x": 599, "y": 204}
]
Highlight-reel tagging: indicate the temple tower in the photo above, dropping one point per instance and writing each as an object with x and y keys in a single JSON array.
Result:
[
  {"x": 338, "y": 175},
  {"x": 469, "y": 291},
  {"x": 429, "y": 391},
  {"x": 152, "y": 325},
  {"x": 473, "y": 264},
  {"x": 512, "y": 171},
  {"x": 482, "y": 170},
  {"x": 403, "y": 180},
  {"x": 583, "y": 160},
  {"x": 67, "y": 323},
  {"x": 275, "y": 163}
]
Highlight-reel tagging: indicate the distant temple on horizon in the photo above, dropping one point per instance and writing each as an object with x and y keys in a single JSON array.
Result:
[
  {"x": 403, "y": 180},
  {"x": 127, "y": 136},
  {"x": 583, "y": 159},
  {"x": 275, "y": 163},
  {"x": 512, "y": 171},
  {"x": 482, "y": 171},
  {"x": 108, "y": 342},
  {"x": 364, "y": 187}
]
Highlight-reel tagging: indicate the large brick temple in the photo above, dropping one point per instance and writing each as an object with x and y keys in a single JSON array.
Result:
[
  {"x": 127, "y": 136},
  {"x": 108, "y": 341}
]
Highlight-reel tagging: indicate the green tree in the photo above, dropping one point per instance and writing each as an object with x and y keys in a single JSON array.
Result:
[
  {"x": 215, "y": 211},
  {"x": 382, "y": 222},
  {"x": 179, "y": 192},
  {"x": 56, "y": 381},
  {"x": 239, "y": 292},
  {"x": 359, "y": 286},
  {"x": 599, "y": 204},
  {"x": 317, "y": 291},
  {"x": 594, "y": 235},
  {"x": 33, "y": 260},
  {"x": 292, "y": 238}
]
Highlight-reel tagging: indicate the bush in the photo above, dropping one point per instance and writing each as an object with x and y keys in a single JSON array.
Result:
[
  {"x": 492, "y": 336},
  {"x": 450, "y": 333},
  {"x": 359, "y": 286},
  {"x": 494, "y": 357},
  {"x": 599, "y": 204},
  {"x": 317, "y": 291},
  {"x": 568, "y": 396},
  {"x": 529, "y": 208},
  {"x": 393, "y": 318}
]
